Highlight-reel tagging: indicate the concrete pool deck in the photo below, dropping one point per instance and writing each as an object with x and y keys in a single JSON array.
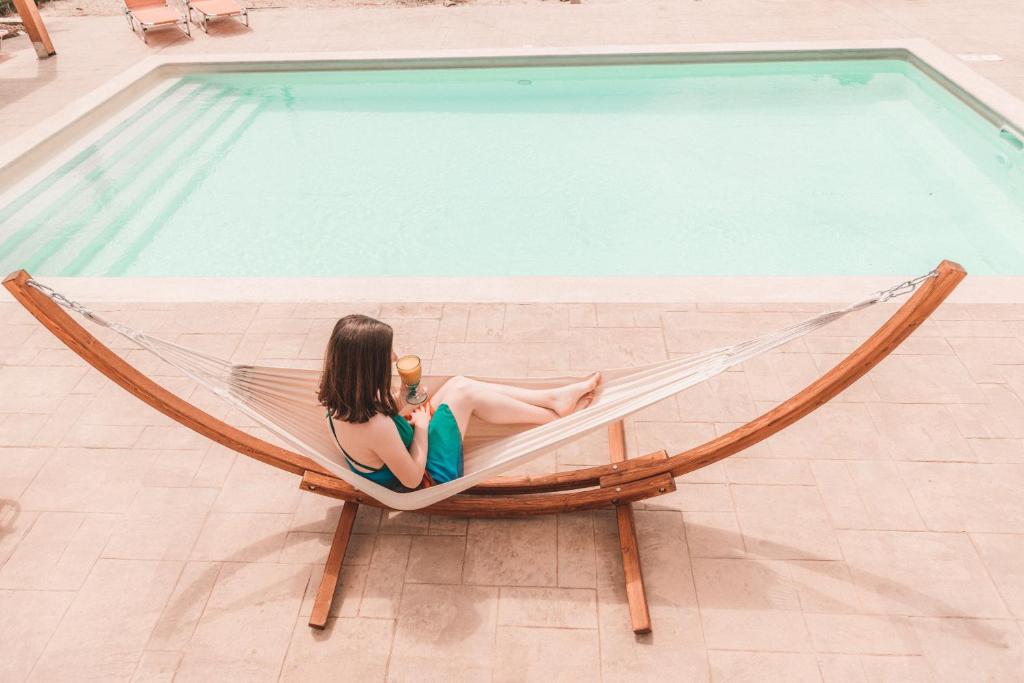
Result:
[{"x": 880, "y": 539}]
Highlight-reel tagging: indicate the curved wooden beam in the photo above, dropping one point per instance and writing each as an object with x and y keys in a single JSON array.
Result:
[{"x": 502, "y": 496}]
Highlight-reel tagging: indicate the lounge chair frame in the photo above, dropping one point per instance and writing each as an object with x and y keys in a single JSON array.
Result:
[
  {"x": 144, "y": 27},
  {"x": 204, "y": 22},
  {"x": 619, "y": 483}
]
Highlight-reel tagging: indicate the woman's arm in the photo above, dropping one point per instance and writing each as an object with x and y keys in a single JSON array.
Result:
[{"x": 407, "y": 465}]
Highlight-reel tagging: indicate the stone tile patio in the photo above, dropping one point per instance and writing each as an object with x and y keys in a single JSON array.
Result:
[{"x": 881, "y": 539}]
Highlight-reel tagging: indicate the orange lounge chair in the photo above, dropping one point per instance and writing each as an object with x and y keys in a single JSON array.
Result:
[
  {"x": 216, "y": 9},
  {"x": 151, "y": 14}
]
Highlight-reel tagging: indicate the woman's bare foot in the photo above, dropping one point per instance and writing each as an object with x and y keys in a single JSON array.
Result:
[{"x": 569, "y": 399}]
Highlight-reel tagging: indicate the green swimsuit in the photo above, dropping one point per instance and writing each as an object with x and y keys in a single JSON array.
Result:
[{"x": 444, "y": 450}]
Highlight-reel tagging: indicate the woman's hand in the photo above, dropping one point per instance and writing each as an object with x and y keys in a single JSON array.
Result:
[{"x": 420, "y": 417}]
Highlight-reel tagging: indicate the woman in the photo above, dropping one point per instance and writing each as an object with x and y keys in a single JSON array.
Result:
[{"x": 384, "y": 447}]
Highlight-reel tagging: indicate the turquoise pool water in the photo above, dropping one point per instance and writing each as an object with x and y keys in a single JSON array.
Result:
[{"x": 786, "y": 168}]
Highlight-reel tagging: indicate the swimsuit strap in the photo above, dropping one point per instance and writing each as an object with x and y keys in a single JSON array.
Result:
[{"x": 351, "y": 461}]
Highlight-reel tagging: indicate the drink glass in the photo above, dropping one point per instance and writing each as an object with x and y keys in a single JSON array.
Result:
[{"x": 410, "y": 369}]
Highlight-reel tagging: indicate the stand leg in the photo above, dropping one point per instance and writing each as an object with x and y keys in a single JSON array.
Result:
[
  {"x": 639, "y": 615},
  {"x": 332, "y": 570}
]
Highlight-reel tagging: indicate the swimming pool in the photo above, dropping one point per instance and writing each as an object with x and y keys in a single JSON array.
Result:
[{"x": 806, "y": 168}]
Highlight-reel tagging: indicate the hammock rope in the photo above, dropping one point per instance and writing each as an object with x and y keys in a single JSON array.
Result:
[{"x": 284, "y": 399}]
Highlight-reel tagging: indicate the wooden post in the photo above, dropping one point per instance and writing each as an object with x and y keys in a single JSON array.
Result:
[
  {"x": 34, "y": 27},
  {"x": 636, "y": 595},
  {"x": 332, "y": 570}
]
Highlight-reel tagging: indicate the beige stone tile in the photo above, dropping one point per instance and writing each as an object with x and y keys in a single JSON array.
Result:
[
  {"x": 1002, "y": 555},
  {"x": 546, "y": 654},
  {"x": 925, "y": 379},
  {"x": 411, "y": 310},
  {"x": 356, "y": 649},
  {"x": 161, "y": 524},
  {"x": 107, "y": 625},
  {"x": 445, "y": 633},
  {"x": 674, "y": 650},
  {"x": 180, "y": 615},
  {"x": 582, "y": 315},
  {"x": 862, "y": 634},
  {"x": 512, "y": 552},
  {"x": 825, "y": 586},
  {"x": 589, "y": 449},
  {"x": 398, "y": 522},
  {"x": 18, "y": 467},
  {"x": 979, "y": 421},
  {"x": 305, "y": 547},
  {"x": 769, "y": 471},
  {"x": 755, "y": 667},
  {"x": 726, "y": 584},
  {"x": 20, "y": 429},
  {"x": 983, "y": 356},
  {"x": 773, "y": 377},
  {"x": 88, "y": 480},
  {"x": 836, "y": 431},
  {"x": 30, "y": 618},
  {"x": 30, "y": 389},
  {"x": 919, "y": 432},
  {"x": 348, "y": 594},
  {"x": 453, "y": 324},
  {"x": 866, "y": 495},
  {"x": 694, "y": 497},
  {"x": 962, "y": 497},
  {"x": 446, "y": 526},
  {"x": 672, "y": 437},
  {"x": 1007, "y": 406},
  {"x": 547, "y": 607},
  {"x": 841, "y": 669},
  {"x": 252, "y": 486},
  {"x": 725, "y": 398},
  {"x": 215, "y": 466},
  {"x": 486, "y": 322},
  {"x": 997, "y": 450},
  {"x": 58, "y": 552},
  {"x": 385, "y": 576},
  {"x": 241, "y": 537},
  {"x": 784, "y": 522},
  {"x": 896, "y": 669},
  {"x": 967, "y": 649},
  {"x": 156, "y": 666},
  {"x": 536, "y": 322},
  {"x": 714, "y": 534},
  {"x": 696, "y": 331},
  {"x": 436, "y": 559},
  {"x": 577, "y": 559},
  {"x": 174, "y": 468},
  {"x": 754, "y": 629},
  {"x": 919, "y": 573},
  {"x": 415, "y": 335},
  {"x": 265, "y": 597},
  {"x": 614, "y": 347},
  {"x": 15, "y": 524}
]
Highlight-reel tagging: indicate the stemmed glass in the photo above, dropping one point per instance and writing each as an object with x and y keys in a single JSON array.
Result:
[{"x": 410, "y": 369}]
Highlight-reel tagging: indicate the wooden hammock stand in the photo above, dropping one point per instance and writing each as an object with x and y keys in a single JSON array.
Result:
[{"x": 619, "y": 484}]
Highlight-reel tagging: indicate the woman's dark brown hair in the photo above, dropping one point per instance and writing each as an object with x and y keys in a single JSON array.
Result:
[{"x": 356, "y": 382}]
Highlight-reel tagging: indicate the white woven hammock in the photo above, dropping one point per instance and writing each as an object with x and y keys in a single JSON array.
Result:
[{"x": 284, "y": 399}]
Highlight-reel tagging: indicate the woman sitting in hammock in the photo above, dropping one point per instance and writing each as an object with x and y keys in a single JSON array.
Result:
[{"x": 384, "y": 447}]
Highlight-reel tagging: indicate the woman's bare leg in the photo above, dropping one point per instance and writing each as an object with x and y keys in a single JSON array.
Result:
[
  {"x": 466, "y": 397},
  {"x": 562, "y": 400}
]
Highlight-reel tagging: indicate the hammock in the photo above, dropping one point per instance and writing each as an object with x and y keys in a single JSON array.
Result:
[{"x": 284, "y": 400}]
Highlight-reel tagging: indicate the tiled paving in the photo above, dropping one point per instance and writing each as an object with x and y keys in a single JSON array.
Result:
[{"x": 881, "y": 539}]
